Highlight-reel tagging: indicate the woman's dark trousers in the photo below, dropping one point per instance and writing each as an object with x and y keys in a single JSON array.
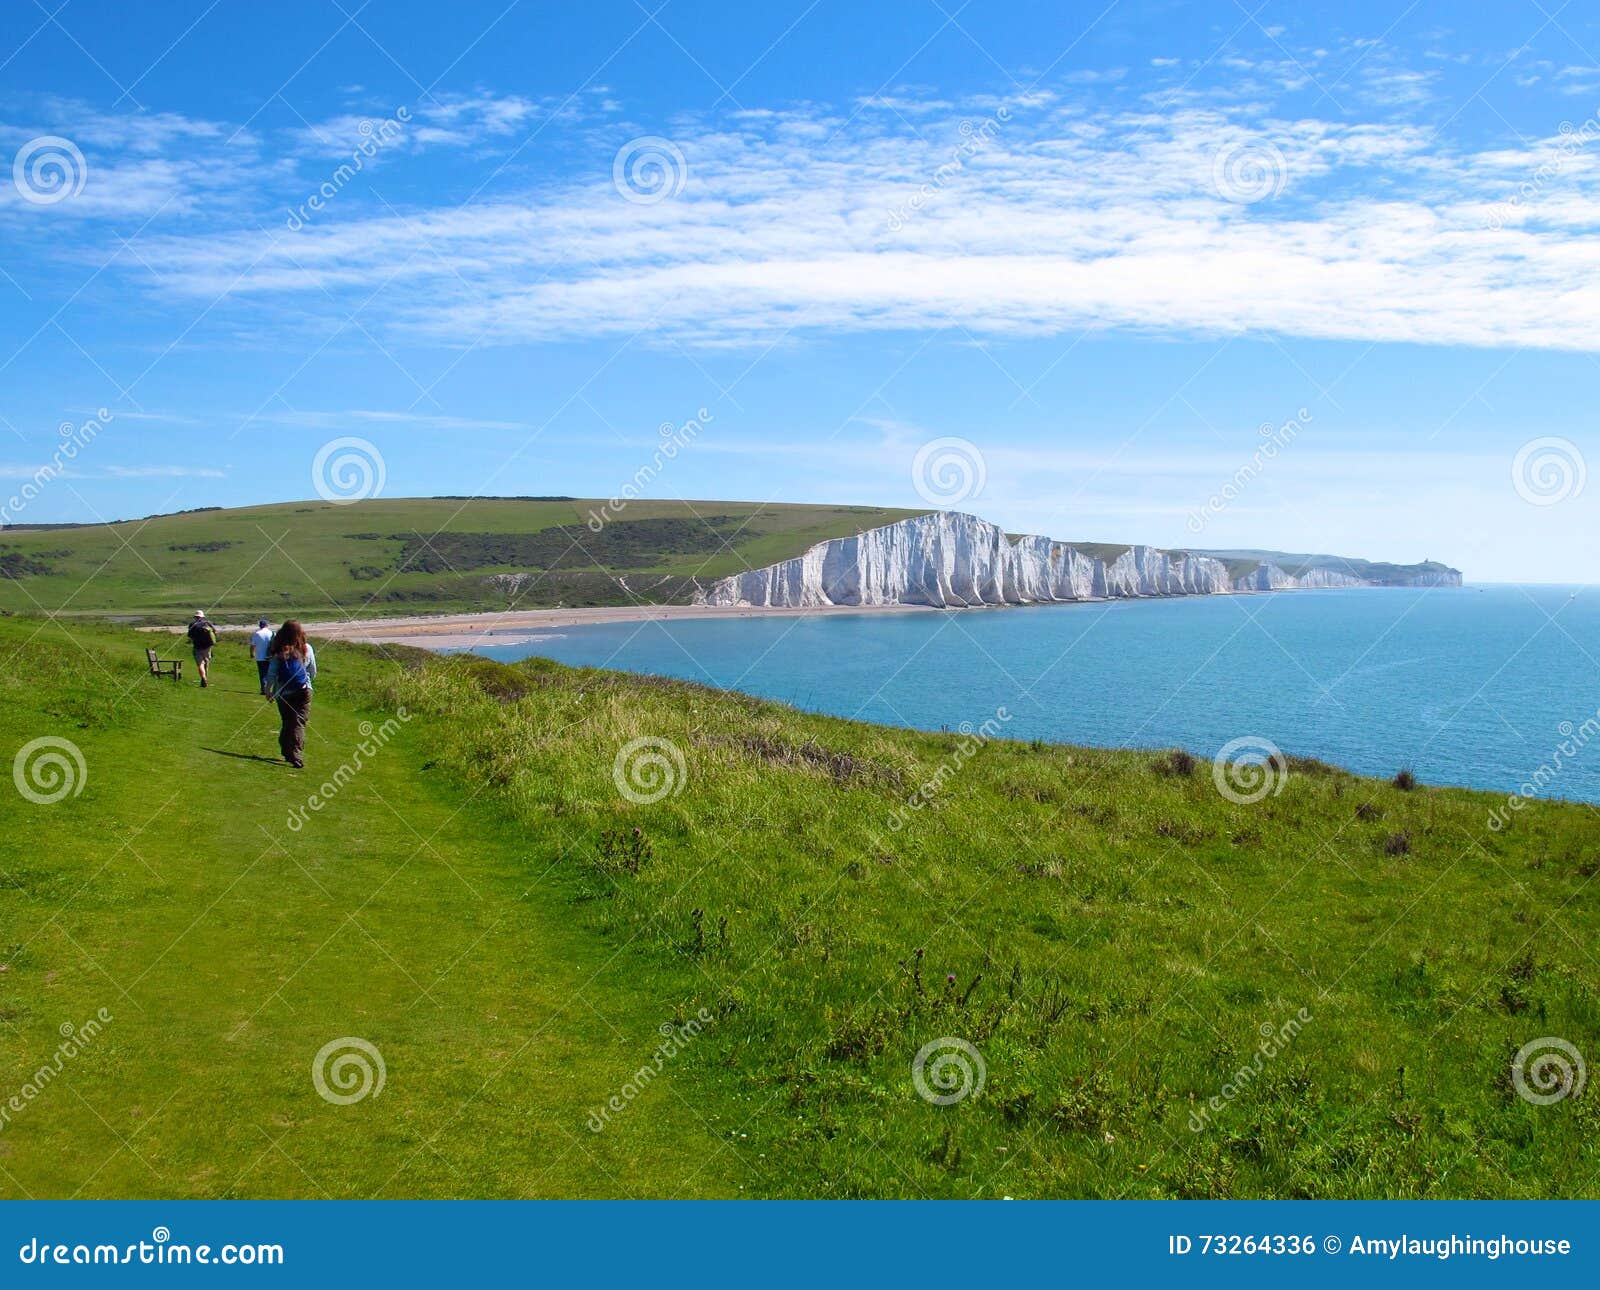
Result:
[{"x": 294, "y": 709}]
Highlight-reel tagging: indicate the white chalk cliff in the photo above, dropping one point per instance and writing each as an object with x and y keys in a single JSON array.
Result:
[{"x": 948, "y": 559}]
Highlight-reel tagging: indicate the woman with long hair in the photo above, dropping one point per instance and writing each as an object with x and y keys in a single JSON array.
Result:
[{"x": 291, "y": 667}]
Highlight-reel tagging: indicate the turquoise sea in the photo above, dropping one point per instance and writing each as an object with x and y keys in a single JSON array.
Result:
[{"x": 1477, "y": 686}]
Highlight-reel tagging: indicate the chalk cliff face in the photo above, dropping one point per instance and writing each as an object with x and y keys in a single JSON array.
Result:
[
  {"x": 1434, "y": 578},
  {"x": 949, "y": 560},
  {"x": 1268, "y": 577}
]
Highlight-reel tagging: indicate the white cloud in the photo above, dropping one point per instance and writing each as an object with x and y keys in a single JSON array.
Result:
[
  {"x": 164, "y": 167},
  {"x": 163, "y": 418},
  {"x": 44, "y": 470},
  {"x": 1047, "y": 221},
  {"x": 317, "y": 420},
  {"x": 1041, "y": 215},
  {"x": 449, "y": 120},
  {"x": 164, "y": 472},
  {"x": 136, "y": 165},
  {"x": 114, "y": 472}
]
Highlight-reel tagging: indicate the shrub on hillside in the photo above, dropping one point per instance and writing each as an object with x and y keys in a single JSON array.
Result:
[{"x": 1177, "y": 764}]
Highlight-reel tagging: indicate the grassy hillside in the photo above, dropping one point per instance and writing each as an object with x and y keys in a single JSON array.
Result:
[
  {"x": 1337, "y": 976},
  {"x": 404, "y": 555}
]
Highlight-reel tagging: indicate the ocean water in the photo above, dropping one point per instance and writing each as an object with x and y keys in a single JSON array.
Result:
[{"x": 1475, "y": 686}]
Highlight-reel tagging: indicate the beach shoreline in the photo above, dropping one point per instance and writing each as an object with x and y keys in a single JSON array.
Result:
[{"x": 517, "y": 626}]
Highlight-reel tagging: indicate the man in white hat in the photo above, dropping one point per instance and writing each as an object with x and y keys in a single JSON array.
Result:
[{"x": 202, "y": 635}]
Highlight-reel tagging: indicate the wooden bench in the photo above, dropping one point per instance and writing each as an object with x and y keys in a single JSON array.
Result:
[{"x": 172, "y": 667}]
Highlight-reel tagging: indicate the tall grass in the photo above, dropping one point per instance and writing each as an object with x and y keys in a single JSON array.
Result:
[{"x": 1165, "y": 992}]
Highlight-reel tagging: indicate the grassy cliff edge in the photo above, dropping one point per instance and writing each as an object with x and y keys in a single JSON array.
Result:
[{"x": 725, "y": 930}]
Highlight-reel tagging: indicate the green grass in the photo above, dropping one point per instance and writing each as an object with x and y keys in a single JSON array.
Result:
[
  {"x": 1106, "y": 930},
  {"x": 228, "y": 950},
  {"x": 405, "y": 555},
  {"x": 1109, "y": 552}
]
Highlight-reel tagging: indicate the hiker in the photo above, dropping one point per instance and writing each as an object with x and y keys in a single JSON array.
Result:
[
  {"x": 202, "y": 635},
  {"x": 261, "y": 651},
  {"x": 291, "y": 667}
]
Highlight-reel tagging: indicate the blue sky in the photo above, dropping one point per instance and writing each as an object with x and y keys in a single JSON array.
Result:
[{"x": 1116, "y": 249}]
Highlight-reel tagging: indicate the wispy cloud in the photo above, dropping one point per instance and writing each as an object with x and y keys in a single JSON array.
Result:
[
  {"x": 8, "y": 471},
  {"x": 166, "y": 166},
  {"x": 163, "y": 472},
  {"x": 1061, "y": 220},
  {"x": 112, "y": 472},
  {"x": 341, "y": 420},
  {"x": 159, "y": 418},
  {"x": 443, "y": 120},
  {"x": 909, "y": 211},
  {"x": 138, "y": 165}
]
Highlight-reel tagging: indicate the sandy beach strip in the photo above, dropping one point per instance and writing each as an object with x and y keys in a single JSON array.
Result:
[{"x": 514, "y": 626}]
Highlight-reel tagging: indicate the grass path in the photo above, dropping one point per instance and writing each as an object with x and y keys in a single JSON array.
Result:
[{"x": 227, "y": 949}]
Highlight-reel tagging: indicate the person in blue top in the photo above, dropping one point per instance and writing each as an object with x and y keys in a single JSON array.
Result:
[{"x": 291, "y": 667}]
